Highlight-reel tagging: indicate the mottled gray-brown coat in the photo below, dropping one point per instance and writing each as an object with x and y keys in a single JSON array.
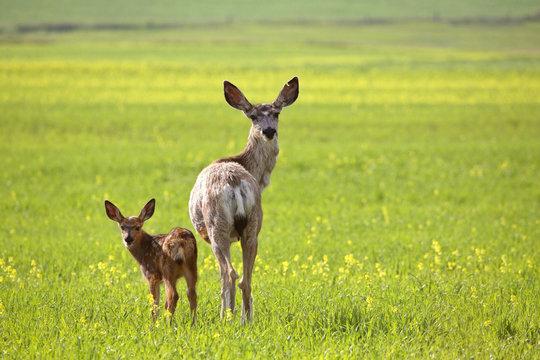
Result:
[{"x": 225, "y": 202}]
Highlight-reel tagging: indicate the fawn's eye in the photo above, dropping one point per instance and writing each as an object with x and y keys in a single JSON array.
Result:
[
  {"x": 123, "y": 227},
  {"x": 137, "y": 228}
]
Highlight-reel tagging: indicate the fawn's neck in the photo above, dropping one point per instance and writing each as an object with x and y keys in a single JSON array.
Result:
[{"x": 144, "y": 248}]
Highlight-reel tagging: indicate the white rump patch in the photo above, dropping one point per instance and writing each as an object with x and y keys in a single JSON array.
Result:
[
  {"x": 228, "y": 203},
  {"x": 248, "y": 196},
  {"x": 240, "y": 210},
  {"x": 237, "y": 201}
]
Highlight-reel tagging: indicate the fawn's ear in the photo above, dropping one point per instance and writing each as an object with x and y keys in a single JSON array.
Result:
[
  {"x": 235, "y": 98},
  {"x": 113, "y": 212},
  {"x": 288, "y": 94},
  {"x": 148, "y": 210}
]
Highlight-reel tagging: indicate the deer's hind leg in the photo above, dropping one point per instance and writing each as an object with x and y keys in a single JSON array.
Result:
[
  {"x": 171, "y": 296},
  {"x": 222, "y": 253},
  {"x": 249, "y": 253},
  {"x": 191, "y": 281}
]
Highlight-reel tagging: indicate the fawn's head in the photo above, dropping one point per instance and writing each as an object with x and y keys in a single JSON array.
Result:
[
  {"x": 264, "y": 117},
  {"x": 131, "y": 226}
]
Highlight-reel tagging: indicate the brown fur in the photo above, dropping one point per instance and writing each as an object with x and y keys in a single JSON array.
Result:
[{"x": 162, "y": 258}]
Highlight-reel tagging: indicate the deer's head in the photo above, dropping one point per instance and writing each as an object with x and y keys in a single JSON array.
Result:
[
  {"x": 264, "y": 117},
  {"x": 131, "y": 227}
]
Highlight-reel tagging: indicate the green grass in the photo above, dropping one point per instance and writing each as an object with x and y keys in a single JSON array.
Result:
[
  {"x": 402, "y": 219},
  {"x": 170, "y": 11}
]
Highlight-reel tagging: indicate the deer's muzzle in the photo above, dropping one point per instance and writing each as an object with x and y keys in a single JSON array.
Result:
[{"x": 269, "y": 133}]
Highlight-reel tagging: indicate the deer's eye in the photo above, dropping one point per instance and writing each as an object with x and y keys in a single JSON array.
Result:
[
  {"x": 123, "y": 227},
  {"x": 137, "y": 228}
]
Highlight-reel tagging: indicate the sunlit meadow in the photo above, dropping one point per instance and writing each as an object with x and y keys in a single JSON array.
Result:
[{"x": 402, "y": 219}]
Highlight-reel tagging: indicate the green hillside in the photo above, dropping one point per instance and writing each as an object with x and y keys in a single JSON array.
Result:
[{"x": 138, "y": 11}]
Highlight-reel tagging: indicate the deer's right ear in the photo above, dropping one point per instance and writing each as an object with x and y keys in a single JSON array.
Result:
[
  {"x": 148, "y": 210},
  {"x": 235, "y": 98},
  {"x": 113, "y": 212}
]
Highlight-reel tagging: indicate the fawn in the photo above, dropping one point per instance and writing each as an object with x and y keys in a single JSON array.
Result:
[
  {"x": 225, "y": 203},
  {"x": 162, "y": 258}
]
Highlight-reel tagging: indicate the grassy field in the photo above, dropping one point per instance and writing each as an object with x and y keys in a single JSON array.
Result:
[
  {"x": 403, "y": 217},
  {"x": 181, "y": 12}
]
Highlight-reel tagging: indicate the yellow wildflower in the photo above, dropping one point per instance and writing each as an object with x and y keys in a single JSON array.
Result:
[
  {"x": 369, "y": 301},
  {"x": 229, "y": 315},
  {"x": 350, "y": 260},
  {"x": 436, "y": 247},
  {"x": 513, "y": 300},
  {"x": 167, "y": 314}
]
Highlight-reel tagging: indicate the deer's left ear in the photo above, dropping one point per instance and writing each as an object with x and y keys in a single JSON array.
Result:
[
  {"x": 148, "y": 210},
  {"x": 288, "y": 94}
]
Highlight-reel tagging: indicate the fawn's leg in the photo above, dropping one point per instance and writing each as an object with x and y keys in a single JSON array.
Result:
[
  {"x": 154, "y": 290},
  {"x": 172, "y": 296},
  {"x": 191, "y": 281}
]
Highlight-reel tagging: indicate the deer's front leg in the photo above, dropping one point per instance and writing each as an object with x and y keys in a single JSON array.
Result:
[{"x": 154, "y": 290}]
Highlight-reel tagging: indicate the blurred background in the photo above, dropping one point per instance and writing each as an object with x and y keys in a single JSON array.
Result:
[{"x": 26, "y": 15}]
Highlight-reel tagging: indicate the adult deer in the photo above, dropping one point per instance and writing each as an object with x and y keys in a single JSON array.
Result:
[{"x": 225, "y": 203}]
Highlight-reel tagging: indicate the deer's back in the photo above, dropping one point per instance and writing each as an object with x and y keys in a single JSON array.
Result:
[{"x": 222, "y": 191}]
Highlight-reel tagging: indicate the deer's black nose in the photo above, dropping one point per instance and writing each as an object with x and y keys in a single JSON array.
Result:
[
  {"x": 269, "y": 133},
  {"x": 128, "y": 240}
]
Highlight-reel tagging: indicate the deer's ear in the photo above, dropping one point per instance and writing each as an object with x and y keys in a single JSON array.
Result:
[
  {"x": 113, "y": 212},
  {"x": 235, "y": 98},
  {"x": 148, "y": 210},
  {"x": 288, "y": 94}
]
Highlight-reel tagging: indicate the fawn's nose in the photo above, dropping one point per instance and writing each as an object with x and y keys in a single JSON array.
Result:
[
  {"x": 269, "y": 133},
  {"x": 128, "y": 240}
]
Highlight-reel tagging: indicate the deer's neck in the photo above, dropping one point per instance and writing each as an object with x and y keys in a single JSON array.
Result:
[
  {"x": 258, "y": 158},
  {"x": 145, "y": 247}
]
